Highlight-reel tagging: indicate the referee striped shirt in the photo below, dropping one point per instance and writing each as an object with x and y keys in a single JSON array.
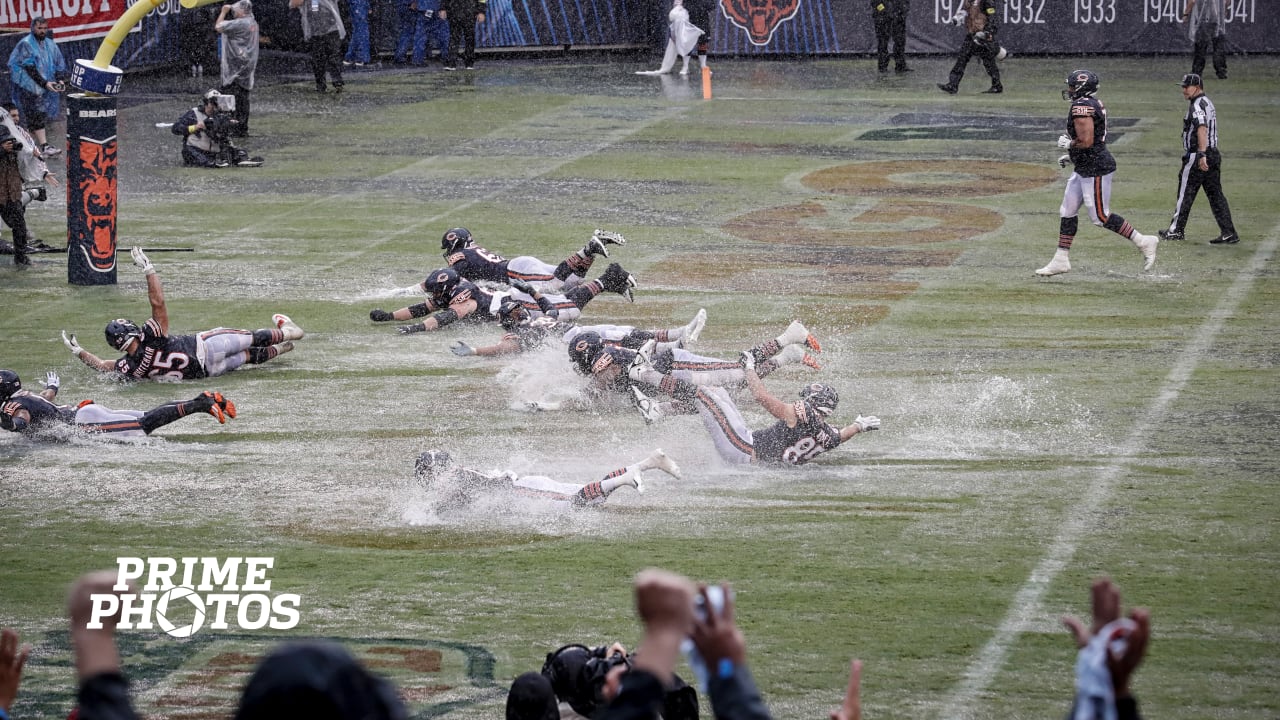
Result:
[{"x": 1200, "y": 113}]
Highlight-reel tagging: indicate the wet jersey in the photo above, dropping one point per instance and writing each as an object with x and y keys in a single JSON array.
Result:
[
  {"x": 162, "y": 356},
  {"x": 486, "y": 303},
  {"x": 1096, "y": 160},
  {"x": 477, "y": 263},
  {"x": 40, "y": 410},
  {"x": 797, "y": 445}
]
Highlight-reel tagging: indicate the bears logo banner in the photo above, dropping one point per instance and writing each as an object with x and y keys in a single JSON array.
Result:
[{"x": 91, "y": 190}]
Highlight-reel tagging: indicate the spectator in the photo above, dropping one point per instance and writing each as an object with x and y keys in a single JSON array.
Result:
[
  {"x": 406, "y": 25},
  {"x": 431, "y": 27},
  {"x": 1207, "y": 28},
  {"x": 1201, "y": 167},
  {"x": 665, "y": 604},
  {"x": 462, "y": 16},
  {"x": 890, "y": 20},
  {"x": 38, "y": 72},
  {"x": 11, "y": 661},
  {"x": 322, "y": 27},
  {"x": 682, "y": 38},
  {"x": 12, "y": 208},
  {"x": 1111, "y": 650},
  {"x": 35, "y": 172},
  {"x": 150, "y": 353},
  {"x": 358, "y": 45},
  {"x": 981, "y": 20},
  {"x": 239, "y": 59}
]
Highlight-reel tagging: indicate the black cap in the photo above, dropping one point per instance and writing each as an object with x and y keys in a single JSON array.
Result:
[
  {"x": 319, "y": 681},
  {"x": 531, "y": 698},
  {"x": 1192, "y": 79}
]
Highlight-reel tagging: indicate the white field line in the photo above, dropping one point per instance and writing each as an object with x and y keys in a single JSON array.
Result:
[
  {"x": 586, "y": 150},
  {"x": 1026, "y": 605}
]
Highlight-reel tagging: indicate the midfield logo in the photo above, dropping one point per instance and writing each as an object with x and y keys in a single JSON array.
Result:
[{"x": 233, "y": 589}]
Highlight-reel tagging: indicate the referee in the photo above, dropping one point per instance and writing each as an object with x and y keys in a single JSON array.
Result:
[{"x": 1201, "y": 166}]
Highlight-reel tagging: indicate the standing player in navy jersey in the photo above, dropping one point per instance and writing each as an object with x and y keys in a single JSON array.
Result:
[
  {"x": 800, "y": 434},
  {"x": 151, "y": 353},
  {"x": 475, "y": 263},
  {"x": 1090, "y": 184},
  {"x": 451, "y": 298},
  {"x": 23, "y": 411}
]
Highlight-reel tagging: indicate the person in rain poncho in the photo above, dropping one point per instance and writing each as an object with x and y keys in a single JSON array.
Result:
[
  {"x": 682, "y": 41},
  {"x": 239, "y": 58},
  {"x": 38, "y": 72}
]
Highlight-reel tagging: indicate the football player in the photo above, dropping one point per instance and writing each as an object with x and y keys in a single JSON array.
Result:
[
  {"x": 1090, "y": 184},
  {"x": 458, "y": 486},
  {"x": 451, "y": 298},
  {"x": 800, "y": 434},
  {"x": 23, "y": 411},
  {"x": 151, "y": 353},
  {"x": 525, "y": 333},
  {"x": 475, "y": 263}
]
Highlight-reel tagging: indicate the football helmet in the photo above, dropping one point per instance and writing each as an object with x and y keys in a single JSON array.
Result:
[
  {"x": 120, "y": 331},
  {"x": 511, "y": 313},
  {"x": 584, "y": 350},
  {"x": 455, "y": 239},
  {"x": 1080, "y": 83},
  {"x": 440, "y": 284},
  {"x": 821, "y": 396},
  {"x": 10, "y": 383}
]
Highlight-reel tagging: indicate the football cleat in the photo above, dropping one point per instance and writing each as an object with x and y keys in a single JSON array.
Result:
[
  {"x": 1058, "y": 265},
  {"x": 595, "y": 246},
  {"x": 798, "y": 334},
  {"x": 609, "y": 237},
  {"x": 796, "y": 354},
  {"x": 693, "y": 330},
  {"x": 208, "y": 402},
  {"x": 1171, "y": 235},
  {"x": 284, "y": 347},
  {"x": 1147, "y": 245},
  {"x": 659, "y": 460},
  {"x": 617, "y": 280},
  {"x": 647, "y": 406},
  {"x": 288, "y": 326}
]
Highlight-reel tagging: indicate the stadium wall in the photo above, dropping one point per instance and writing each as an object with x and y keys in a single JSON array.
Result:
[{"x": 740, "y": 27}]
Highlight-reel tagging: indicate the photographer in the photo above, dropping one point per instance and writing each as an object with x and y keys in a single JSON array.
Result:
[
  {"x": 12, "y": 210},
  {"x": 578, "y": 676},
  {"x": 207, "y": 130}
]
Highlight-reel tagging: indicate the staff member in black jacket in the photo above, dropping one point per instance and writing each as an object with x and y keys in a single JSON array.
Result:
[{"x": 1201, "y": 166}]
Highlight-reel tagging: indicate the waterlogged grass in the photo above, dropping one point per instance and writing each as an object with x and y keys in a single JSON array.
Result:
[{"x": 1127, "y": 417}]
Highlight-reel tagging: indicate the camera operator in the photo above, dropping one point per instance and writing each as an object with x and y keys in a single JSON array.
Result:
[
  {"x": 207, "y": 130},
  {"x": 578, "y": 676},
  {"x": 12, "y": 211}
]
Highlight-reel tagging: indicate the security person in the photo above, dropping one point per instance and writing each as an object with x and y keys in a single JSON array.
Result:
[
  {"x": 1201, "y": 166},
  {"x": 890, "y": 20}
]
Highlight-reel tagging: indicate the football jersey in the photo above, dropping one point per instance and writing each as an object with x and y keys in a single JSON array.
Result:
[
  {"x": 40, "y": 410},
  {"x": 465, "y": 291},
  {"x": 477, "y": 263},
  {"x": 1096, "y": 160},
  {"x": 161, "y": 356},
  {"x": 797, "y": 445}
]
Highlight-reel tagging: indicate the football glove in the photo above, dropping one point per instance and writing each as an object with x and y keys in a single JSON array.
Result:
[
  {"x": 982, "y": 36},
  {"x": 1064, "y": 141},
  {"x": 748, "y": 360},
  {"x": 140, "y": 259},
  {"x": 523, "y": 287},
  {"x": 380, "y": 315},
  {"x": 867, "y": 423},
  {"x": 70, "y": 342},
  {"x": 1064, "y": 161},
  {"x": 51, "y": 381},
  {"x": 462, "y": 349},
  {"x": 411, "y": 329}
]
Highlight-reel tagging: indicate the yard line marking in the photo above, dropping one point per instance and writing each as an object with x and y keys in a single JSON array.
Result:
[{"x": 1025, "y": 607}]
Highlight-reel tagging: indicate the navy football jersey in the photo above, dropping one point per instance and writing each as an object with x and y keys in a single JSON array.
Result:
[
  {"x": 161, "y": 356},
  {"x": 41, "y": 411},
  {"x": 1096, "y": 160},
  {"x": 477, "y": 263},
  {"x": 797, "y": 445}
]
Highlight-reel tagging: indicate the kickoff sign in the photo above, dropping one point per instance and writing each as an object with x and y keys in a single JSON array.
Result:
[{"x": 68, "y": 19}]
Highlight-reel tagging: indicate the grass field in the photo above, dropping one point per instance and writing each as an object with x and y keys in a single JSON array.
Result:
[{"x": 1037, "y": 432}]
